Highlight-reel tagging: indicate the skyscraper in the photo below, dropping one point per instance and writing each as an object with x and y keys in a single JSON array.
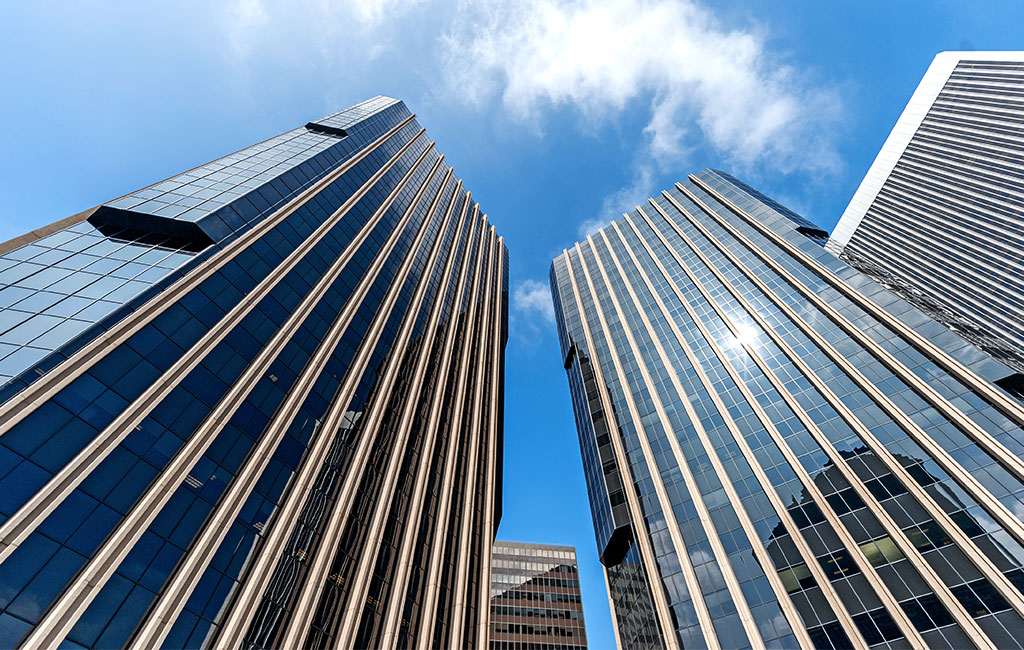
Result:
[
  {"x": 535, "y": 598},
  {"x": 939, "y": 217},
  {"x": 780, "y": 452},
  {"x": 258, "y": 404}
]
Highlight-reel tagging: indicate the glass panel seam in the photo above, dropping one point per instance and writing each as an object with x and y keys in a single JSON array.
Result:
[
  {"x": 404, "y": 561},
  {"x": 430, "y": 596},
  {"x": 172, "y": 600},
  {"x": 717, "y": 549},
  {"x": 758, "y": 550},
  {"x": 1003, "y": 403},
  {"x": 700, "y": 606},
  {"x": 70, "y": 606},
  {"x": 909, "y": 631}
]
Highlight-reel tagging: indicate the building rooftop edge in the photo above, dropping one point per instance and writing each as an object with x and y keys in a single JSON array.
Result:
[
  {"x": 924, "y": 95},
  {"x": 553, "y": 547}
]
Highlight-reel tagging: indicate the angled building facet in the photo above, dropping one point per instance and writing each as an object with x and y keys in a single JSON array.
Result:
[
  {"x": 257, "y": 404},
  {"x": 780, "y": 452},
  {"x": 939, "y": 217}
]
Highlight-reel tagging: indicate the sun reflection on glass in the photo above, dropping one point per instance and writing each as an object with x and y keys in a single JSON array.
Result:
[{"x": 746, "y": 335}]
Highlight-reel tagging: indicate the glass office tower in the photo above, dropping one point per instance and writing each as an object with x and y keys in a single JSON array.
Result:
[
  {"x": 939, "y": 217},
  {"x": 535, "y": 598},
  {"x": 779, "y": 452},
  {"x": 258, "y": 404}
]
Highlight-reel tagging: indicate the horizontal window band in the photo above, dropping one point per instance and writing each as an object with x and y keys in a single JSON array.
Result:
[
  {"x": 143, "y": 227},
  {"x": 317, "y": 127}
]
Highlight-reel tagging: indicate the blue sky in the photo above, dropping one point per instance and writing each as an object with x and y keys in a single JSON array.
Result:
[{"x": 558, "y": 116}]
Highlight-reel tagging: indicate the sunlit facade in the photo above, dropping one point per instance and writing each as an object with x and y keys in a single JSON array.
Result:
[
  {"x": 779, "y": 452},
  {"x": 258, "y": 404}
]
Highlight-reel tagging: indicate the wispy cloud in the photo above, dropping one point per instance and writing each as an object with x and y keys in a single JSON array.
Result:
[
  {"x": 532, "y": 311},
  {"x": 245, "y": 19},
  {"x": 705, "y": 85},
  {"x": 331, "y": 29},
  {"x": 701, "y": 86},
  {"x": 534, "y": 298}
]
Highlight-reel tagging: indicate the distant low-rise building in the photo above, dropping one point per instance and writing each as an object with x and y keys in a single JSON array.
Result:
[{"x": 535, "y": 598}]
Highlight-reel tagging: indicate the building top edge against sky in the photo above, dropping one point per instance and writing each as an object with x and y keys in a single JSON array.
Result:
[
  {"x": 939, "y": 216},
  {"x": 534, "y": 545},
  {"x": 902, "y": 132},
  {"x": 807, "y": 236},
  {"x": 63, "y": 285},
  {"x": 709, "y": 341}
]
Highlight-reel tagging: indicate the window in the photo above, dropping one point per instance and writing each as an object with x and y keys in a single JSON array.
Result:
[
  {"x": 838, "y": 564},
  {"x": 881, "y": 551},
  {"x": 796, "y": 578}
]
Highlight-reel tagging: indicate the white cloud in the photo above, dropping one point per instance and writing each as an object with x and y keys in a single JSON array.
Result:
[
  {"x": 246, "y": 18},
  {"x": 532, "y": 315},
  {"x": 331, "y": 29},
  {"x": 700, "y": 86},
  {"x": 532, "y": 299},
  {"x": 705, "y": 85},
  {"x": 372, "y": 12}
]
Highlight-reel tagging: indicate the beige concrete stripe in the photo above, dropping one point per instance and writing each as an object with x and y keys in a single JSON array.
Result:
[
  {"x": 756, "y": 545},
  {"x": 14, "y": 410},
  {"x": 258, "y": 577},
  {"x": 430, "y": 588},
  {"x": 487, "y": 537},
  {"x": 395, "y": 609},
  {"x": 703, "y": 514},
  {"x": 766, "y": 485},
  {"x": 906, "y": 547},
  {"x": 971, "y": 485},
  {"x": 23, "y": 522},
  {"x": 62, "y": 616},
  {"x": 323, "y": 554},
  {"x": 428, "y": 606},
  {"x": 1006, "y": 405},
  {"x": 689, "y": 575},
  {"x": 460, "y": 587},
  {"x": 611, "y": 606},
  {"x": 359, "y": 584},
  {"x": 996, "y": 450},
  {"x": 46, "y": 231},
  {"x": 167, "y": 608},
  {"x": 644, "y": 547},
  {"x": 807, "y": 482}
]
